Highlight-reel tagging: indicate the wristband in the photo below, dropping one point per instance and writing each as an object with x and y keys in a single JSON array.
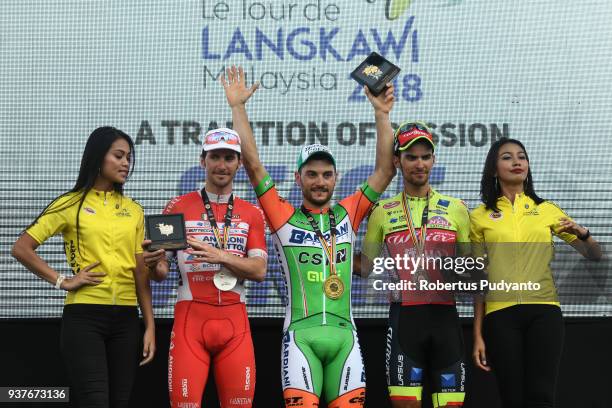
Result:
[
  {"x": 58, "y": 282},
  {"x": 585, "y": 236}
]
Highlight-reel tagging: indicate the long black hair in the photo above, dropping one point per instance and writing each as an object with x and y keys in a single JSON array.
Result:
[
  {"x": 97, "y": 146},
  {"x": 490, "y": 190}
]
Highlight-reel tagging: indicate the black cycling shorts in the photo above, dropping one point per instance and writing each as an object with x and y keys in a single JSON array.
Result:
[{"x": 425, "y": 342}]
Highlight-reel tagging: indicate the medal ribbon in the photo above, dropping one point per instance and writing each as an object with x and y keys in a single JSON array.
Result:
[
  {"x": 419, "y": 244},
  {"x": 221, "y": 241},
  {"x": 330, "y": 250}
]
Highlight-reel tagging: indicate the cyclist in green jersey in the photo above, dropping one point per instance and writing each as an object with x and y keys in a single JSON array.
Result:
[
  {"x": 314, "y": 244},
  {"x": 424, "y": 338}
]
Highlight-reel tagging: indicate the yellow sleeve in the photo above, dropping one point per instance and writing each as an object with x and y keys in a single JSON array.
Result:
[
  {"x": 462, "y": 217},
  {"x": 140, "y": 232},
  {"x": 373, "y": 240},
  {"x": 55, "y": 218},
  {"x": 476, "y": 234},
  {"x": 555, "y": 214}
]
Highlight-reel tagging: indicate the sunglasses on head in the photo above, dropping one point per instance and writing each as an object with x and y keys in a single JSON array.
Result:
[
  {"x": 404, "y": 135},
  {"x": 407, "y": 127},
  {"x": 224, "y": 137}
]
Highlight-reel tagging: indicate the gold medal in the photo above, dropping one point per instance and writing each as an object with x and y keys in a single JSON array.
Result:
[{"x": 333, "y": 287}]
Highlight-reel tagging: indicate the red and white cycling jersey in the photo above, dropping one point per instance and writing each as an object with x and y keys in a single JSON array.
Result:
[{"x": 246, "y": 238}]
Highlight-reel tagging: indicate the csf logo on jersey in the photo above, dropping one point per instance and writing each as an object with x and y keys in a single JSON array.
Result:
[
  {"x": 358, "y": 399},
  {"x": 319, "y": 258},
  {"x": 299, "y": 236},
  {"x": 89, "y": 210}
]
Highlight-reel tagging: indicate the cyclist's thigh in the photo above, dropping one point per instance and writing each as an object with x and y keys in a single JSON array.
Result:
[
  {"x": 188, "y": 361},
  {"x": 234, "y": 366},
  {"x": 344, "y": 375},
  {"x": 301, "y": 372}
]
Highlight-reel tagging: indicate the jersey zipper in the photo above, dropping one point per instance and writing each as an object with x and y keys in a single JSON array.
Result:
[
  {"x": 108, "y": 217},
  {"x": 324, "y": 277},
  {"x": 519, "y": 297},
  {"x": 216, "y": 218}
]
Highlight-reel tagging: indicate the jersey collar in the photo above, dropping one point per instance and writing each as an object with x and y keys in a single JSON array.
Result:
[
  {"x": 517, "y": 198},
  {"x": 317, "y": 211},
  {"x": 104, "y": 195},
  {"x": 432, "y": 194},
  {"x": 217, "y": 198}
]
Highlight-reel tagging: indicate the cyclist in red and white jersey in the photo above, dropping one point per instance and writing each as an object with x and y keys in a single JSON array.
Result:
[{"x": 226, "y": 246}]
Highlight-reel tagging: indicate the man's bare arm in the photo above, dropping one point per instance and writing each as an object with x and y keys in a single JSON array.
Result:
[
  {"x": 384, "y": 170},
  {"x": 237, "y": 94}
]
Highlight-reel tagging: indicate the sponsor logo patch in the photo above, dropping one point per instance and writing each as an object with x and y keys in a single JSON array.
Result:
[
  {"x": 416, "y": 374},
  {"x": 123, "y": 213},
  {"x": 391, "y": 205},
  {"x": 439, "y": 221},
  {"x": 447, "y": 380},
  {"x": 443, "y": 203}
]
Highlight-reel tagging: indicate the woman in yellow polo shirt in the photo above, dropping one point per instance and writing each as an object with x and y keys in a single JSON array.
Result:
[
  {"x": 519, "y": 319},
  {"x": 102, "y": 231}
]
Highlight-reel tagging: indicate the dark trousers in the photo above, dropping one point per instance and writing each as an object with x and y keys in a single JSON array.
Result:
[
  {"x": 524, "y": 345},
  {"x": 100, "y": 347}
]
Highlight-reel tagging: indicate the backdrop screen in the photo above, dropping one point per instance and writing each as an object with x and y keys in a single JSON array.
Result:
[{"x": 474, "y": 70}]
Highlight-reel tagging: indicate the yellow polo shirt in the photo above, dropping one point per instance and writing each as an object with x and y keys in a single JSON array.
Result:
[
  {"x": 518, "y": 241},
  {"x": 111, "y": 230}
]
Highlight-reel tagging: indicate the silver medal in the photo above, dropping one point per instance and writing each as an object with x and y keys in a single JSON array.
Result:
[{"x": 224, "y": 280}]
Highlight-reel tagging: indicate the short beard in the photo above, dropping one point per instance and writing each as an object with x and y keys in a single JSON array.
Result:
[
  {"x": 320, "y": 202},
  {"x": 217, "y": 184},
  {"x": 417, "y": 183}
]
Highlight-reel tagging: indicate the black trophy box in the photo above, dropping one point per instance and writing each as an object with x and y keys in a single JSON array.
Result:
[
  {"x": 166, "y": 232},
  {"x": 375, "y": 72}
]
